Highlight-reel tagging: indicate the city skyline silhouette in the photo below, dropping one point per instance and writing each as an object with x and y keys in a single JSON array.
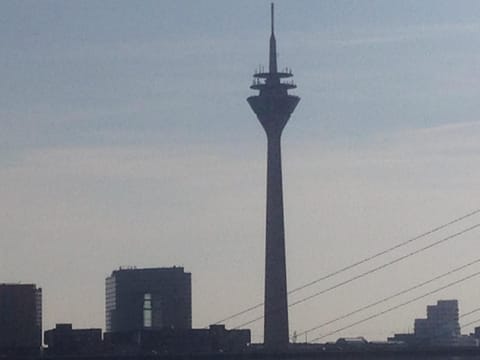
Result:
[{"x": 126, "y": 140}]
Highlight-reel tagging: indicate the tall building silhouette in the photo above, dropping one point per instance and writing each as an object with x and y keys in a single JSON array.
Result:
[
  {"x": 154, "y": 298},
  {"x": 273, "y": 107},
  {"x": 20, "y": 318}
]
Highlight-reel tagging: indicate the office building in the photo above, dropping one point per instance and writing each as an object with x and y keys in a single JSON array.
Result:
[
  {"x": 20, "y": 318},
  {"x": 154, "y": 298}
]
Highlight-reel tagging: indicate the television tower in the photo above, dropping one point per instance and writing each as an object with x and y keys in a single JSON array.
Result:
[{"x": 273, "y": 107}]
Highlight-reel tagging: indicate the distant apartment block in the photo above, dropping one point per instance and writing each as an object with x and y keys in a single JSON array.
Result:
[
  {"x": 441, "y": 322},
  {"x": 152, "y": 298},
  {"x": 20, "y": 317},
  {"x": 440, "y": 328}
]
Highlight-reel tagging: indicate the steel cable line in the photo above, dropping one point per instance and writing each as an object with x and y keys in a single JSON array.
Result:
[
  {"x": 368, "y": 272},
  {"x": 470, "y": 323},
  {"x": 469, "y": 313},
  {"x": 357, "y": 263},
  {"x": 383, "y": 252},
  {"x": 397, "y": 306},
  {"x": 390, "y": 297}
]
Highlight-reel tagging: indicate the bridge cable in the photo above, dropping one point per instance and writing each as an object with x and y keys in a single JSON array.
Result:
[
  {"x": 357, "y": 263},
  {"x": 397, "y": 306},
  {"x": 390, "y": 297},
  {"x": 368, "y": 272}
]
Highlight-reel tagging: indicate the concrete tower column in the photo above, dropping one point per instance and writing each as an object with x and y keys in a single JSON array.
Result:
[{"x": 276, "y": 306}]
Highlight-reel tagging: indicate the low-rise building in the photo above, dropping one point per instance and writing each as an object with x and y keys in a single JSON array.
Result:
[
  {"x": 177, "y": 341},
  {"x": 64, "y": 340}
]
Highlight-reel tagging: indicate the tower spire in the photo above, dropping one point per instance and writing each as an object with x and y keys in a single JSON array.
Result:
[
  {"x": 273, "y": 44},
  {"x": 272, "y": 17}
]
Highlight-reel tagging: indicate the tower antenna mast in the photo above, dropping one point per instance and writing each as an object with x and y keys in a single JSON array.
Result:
[{"x": 272, "y": 9}]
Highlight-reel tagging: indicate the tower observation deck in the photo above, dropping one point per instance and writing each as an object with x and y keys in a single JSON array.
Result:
[{"x": 273, "y": 107}]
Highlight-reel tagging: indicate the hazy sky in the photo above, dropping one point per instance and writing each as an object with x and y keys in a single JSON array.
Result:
[{"x": 126, "y": 140}]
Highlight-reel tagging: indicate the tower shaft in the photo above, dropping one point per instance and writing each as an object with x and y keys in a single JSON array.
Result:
[{"x": 276, "y": 307}]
